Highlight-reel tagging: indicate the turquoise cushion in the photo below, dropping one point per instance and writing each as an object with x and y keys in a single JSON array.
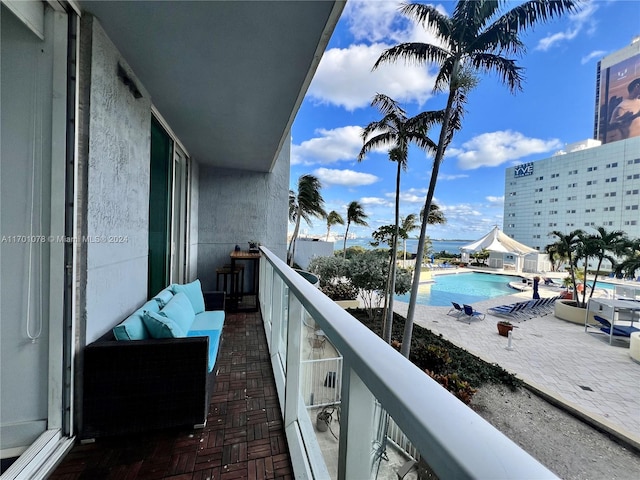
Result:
[
  {"x": 133, "y": 327},
  {"x": 180, "y": 311},
  {"x": 214, "y": 343},
  {"x": 164, "y": 297},
  {"x": 208, "y": 321},
  {"x": 193, "y": 291},
  {"x": 160, "y": 326}
]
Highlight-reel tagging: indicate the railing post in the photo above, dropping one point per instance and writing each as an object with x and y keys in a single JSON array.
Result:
[
  {"x": 294, "y": 353},
  {"x": 356, "y": 427}
]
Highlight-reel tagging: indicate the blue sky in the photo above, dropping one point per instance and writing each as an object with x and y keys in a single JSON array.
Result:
[{"x": 499, "y": 130}]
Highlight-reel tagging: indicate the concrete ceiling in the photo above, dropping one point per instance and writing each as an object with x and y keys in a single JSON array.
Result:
[{"x": 227, "y": 76}]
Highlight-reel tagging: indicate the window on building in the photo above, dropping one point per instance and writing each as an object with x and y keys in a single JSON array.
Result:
[
  {"x": 571, "y": 211},
  {"x": 590, "y": 195},
  {"x": 538, "y": 190},
  {"x": 569, "y": 224},
  {"x": 609, "y": 209},
  {"x": 553, "y": 224},
  {"x": 591, "y": 169},
  {"x": 555, "y": 175},
  {"x": 572, "y": 185},
  {"x": 537, "y": 201},
  {"x": 539, "y": 178},
  {"x": 574, "y": 197},
  {"x": 554, "y": 187},
  {"x": 592, "y": 182},
  {"x": 512, "y": 194},
  {"x": 612, "y": 165},
  {"x": 612, "y": 179},
  {"x": 573, "y": 172}
]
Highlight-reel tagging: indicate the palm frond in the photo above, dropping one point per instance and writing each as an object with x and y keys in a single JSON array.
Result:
[
  {"x": 533, "y": 12},
  {"x": 388, "y": 106},
  {"x": 506, "y": 69},
  {"x": 413, "y": 53},
  {"x": 429, "y": 17}
]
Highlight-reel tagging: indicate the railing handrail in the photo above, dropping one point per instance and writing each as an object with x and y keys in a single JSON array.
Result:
[{"x": 454, "y": 440}]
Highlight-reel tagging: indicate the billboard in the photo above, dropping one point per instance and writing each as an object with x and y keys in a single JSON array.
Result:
[{"x": 619, "y": 116}]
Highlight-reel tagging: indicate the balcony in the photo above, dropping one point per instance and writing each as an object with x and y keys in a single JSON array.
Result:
[{"x": 276, "y": 371}]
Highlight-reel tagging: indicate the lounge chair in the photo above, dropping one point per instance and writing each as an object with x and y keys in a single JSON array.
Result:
[
  {"x": 513, "y": 310},
  {"x": 618, "y": 330},
  {"x": 470, "y": 313},
  {"x": 456, "y": 311}
]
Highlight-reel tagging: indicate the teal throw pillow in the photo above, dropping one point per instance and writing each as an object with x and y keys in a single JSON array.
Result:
[
  {"x": 179, "y": 310},
  {"x": 160, "y": 326},
  {"x": 163, "y": 297},
  {"x": 193, "y": 291}
]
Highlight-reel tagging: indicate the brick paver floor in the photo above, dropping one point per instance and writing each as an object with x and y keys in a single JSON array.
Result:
[{"x": 243, "y": 438}]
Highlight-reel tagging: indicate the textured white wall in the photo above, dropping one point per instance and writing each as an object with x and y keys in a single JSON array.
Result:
[
  {"x": 237, "y": 206},
  {"x": 193, "y": 225},
  {"x": 117, "y": 192}
]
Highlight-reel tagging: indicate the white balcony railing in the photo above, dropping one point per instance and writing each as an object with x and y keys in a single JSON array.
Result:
[{"x": 370, "y": 375}]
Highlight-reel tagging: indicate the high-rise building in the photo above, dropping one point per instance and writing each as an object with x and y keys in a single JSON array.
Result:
[
  {"x": 617, "y": 94},
  {"x": 591, "y": 183}
]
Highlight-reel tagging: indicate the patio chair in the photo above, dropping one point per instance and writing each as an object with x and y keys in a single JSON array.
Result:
[
  {"x": 514, "y": 311},
  {"x": 618, "y": 330},
  {"x": 470, "y": 313},
  {"x": 456, "y": 311}
]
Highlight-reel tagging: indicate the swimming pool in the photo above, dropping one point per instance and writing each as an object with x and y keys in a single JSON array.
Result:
[{"x": 462, "y": 288}]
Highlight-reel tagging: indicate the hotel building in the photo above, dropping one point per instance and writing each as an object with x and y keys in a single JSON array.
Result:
[{"x": 591, "y": 183}]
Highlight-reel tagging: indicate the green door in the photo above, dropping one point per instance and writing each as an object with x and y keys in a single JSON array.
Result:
[{"x": 159, "y": 209}]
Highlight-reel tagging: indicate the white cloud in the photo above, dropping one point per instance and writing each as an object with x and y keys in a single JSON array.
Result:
[
  {"x": 578, "y": 21},
  {"x": 344, "y": 78},
  {"x": 375, "y": 201},
  {"x": 330, "y": 146},
  {"x": 495, "y": 148},
  {"x": 592, "y": 55},
  {"x": 376, "y": 21},
  {"x": 344, "y": 177},
  {"x": 495, "y": 201},
  {"x": 445, "y": 177}
]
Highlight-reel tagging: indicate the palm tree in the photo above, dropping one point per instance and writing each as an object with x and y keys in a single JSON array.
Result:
[
  {"x": 397, "y": 131},
  {"x": 631, "y": 263},
  {"x": 307, "y": 203},
  {"x": 334, "y": 218},
  {"x": 473, "y": 40},
  {"x": 355, "y": 215},
  {"x": 608, "y": 245},
  {"x": 436, "y": 217},
  {"x": 565, "y": 247},
  {"x": 408, "y": 224}
]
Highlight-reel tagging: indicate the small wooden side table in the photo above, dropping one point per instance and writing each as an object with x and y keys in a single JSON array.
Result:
[{"x": 254, "y": 259}]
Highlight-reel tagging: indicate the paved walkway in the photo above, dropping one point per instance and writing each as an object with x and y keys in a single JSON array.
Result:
[{"x": 580, "y": 370}]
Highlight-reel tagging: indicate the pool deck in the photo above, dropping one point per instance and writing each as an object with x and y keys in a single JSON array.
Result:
[{"x": 575, "y": 369}]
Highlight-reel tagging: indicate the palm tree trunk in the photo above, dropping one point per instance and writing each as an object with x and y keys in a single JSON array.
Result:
[
  {"x": 344, "y": 247},
  {"x": 394, "y": 256},
  {"x": 408, "y": 325},
  {"x": 294, "y": 236}
]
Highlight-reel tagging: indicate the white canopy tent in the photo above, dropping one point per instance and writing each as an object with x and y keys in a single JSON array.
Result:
[{"x": 501, "y": 244}]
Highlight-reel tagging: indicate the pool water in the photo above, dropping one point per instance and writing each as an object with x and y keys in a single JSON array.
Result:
[{"x": 462, "y": 288}]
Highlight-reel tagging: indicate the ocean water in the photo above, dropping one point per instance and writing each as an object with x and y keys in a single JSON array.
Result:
[{"x": 449, "y": 246}]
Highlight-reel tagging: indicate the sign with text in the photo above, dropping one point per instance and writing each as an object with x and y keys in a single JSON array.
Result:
[{"x": 523, "y": 170}]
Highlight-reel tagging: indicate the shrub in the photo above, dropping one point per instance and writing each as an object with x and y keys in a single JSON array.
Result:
[
  {"x": 329, "y": 269},
  {"x": 453, "y": 383},
  {"x": 340, "y": 291}
]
